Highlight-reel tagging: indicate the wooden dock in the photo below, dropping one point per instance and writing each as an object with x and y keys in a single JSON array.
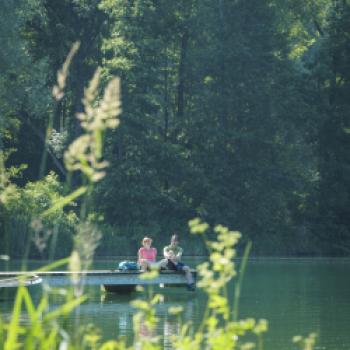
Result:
[{"x": 111, "y": 280}]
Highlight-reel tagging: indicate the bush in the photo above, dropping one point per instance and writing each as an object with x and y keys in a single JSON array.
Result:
[{"x": 25, "y": 232}]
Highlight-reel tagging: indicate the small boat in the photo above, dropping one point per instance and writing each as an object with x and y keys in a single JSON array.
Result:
[{"x": 8, "y": 286}]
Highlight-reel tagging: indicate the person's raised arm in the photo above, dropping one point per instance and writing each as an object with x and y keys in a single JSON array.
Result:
[
  {"x": 179, "y": 253},
  {"x": 165, "y": 252}
]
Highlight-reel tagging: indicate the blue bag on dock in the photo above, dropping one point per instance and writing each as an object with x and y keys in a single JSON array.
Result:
[{"x": 128, "y": 265}]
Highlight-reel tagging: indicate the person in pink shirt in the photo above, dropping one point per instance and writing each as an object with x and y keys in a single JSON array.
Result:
[{"x": 147, "y": 255}]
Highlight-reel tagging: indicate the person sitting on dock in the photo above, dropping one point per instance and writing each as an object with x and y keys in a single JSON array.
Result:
[
  {"x": 172, "y": 261},
  {"x": 147, "y": 254}
]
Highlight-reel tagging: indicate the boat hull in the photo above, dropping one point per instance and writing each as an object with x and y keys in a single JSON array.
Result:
[{"x": 9, "y": 286}]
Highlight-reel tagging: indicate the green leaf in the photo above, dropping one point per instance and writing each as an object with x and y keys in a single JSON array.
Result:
[{"x": 64, "y": 201}]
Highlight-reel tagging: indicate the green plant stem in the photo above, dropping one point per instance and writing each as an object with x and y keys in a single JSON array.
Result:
[
  {"x": 44, "y": 155},
  {"x": 65, "y": 200},
  {"x": 260, "y": 342},
  {"x": 238, "y": 286},
  {"x": 27, "y": 251}
]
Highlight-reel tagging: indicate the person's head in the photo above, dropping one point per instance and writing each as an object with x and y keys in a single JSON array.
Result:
[
  {"x": 174, "y": 239},
  {"x": 146, "y": 242}
]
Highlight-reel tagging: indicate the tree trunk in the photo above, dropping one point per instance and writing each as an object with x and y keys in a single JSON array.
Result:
[{"x": 181, "y": 76}]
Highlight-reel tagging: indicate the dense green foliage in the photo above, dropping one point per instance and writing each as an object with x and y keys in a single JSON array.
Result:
[
  {"x": 237, "y": 112},
  {"x": 24, "y": 233}
]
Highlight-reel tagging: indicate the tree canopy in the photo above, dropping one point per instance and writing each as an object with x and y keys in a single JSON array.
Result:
[{"x": 235, "y": 112}]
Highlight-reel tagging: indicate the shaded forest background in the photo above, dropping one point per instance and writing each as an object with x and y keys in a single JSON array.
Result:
[{"x": 234, "y": 111}]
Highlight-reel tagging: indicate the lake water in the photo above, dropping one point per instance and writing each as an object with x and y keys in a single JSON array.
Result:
[{"x": 296, "y": 296}]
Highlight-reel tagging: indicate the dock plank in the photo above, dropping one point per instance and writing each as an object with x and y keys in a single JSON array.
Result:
[{"x": 104, "y": 277}]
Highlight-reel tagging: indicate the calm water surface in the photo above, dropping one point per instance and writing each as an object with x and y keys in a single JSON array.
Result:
[{"x": 296, "y": 296}]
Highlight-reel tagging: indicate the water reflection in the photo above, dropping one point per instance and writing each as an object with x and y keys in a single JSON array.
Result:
[
  {"x": 172, "y": 324},
  {"x": 296, "y": 296},
  {"x": 168, "y": 325}
]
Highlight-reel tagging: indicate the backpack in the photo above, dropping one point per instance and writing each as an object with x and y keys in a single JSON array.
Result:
[{"x": 128, "y": 265}]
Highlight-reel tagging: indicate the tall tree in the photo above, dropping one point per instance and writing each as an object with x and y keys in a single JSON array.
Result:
[
  {"x": 148, "y": 48},
  {"x": 24, "y": 97},
  {"x": 210, "y": 98},
  {"x": 334, "y": 140}
]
